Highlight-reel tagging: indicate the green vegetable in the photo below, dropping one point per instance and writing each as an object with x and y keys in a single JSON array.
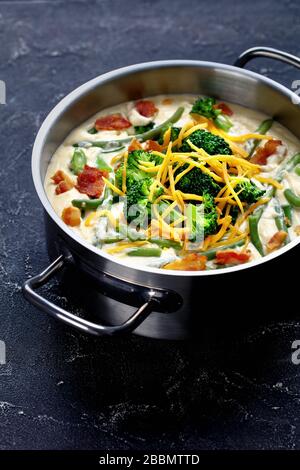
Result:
[
  {"x": 292, "y": 198},
  {"x": 143, "y": 251},
  {"x": 263, "y": 128},
  {"x": 142, "y": 129},
  {"x": 297, "y": 170},
  {"x": 206, "y": 107},
  {"x": 288, "y": 212},
  {"x": 211, "y": 143},
  {"x": 202, "y": 220},
  {"x": 211, "y": 254},
  {"x": 93, "y": 130},
  {"x": 174, "y": 134},
  {"x": 280, "y": 219},
  {"x": 197, "y": 182},
  {"x": 112, "y": 239},
  {"x": 116, "y": 145},
  {"x": 253, "y": 220},
  {"x": 102, "y": 165},
  {"x": 248, "y": 192},
  {"x": 78, "y": 161},
  {"x": 87, "y": 204},
  {"x": 165, "y": 243}
]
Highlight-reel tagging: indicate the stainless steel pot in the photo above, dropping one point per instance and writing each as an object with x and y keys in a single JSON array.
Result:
[{"x": 178, "y": 301}]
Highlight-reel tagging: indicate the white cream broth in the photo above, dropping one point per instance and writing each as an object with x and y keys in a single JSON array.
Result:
[{"x": 245, "y": 121}]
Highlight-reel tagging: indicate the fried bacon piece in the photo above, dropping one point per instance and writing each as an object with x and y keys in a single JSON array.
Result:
[
  {"x": 167, "y": 101},
  {"x": 146, "y": 108},
  {"x": 231, "y": 257},
  {"x": 112, "y": 122},
  {"x": 71, "y": 216},
  {"x": 262, "y": 153},
  {"x": 134, "y": 145},
  {"x": 191, "y": 262},
  {"x": 153, "y": 145},
  {"x": 276, "y": 241},
  {"x": 224, "y": 108},
  {"x": 90, "y": 181},
  {"x": 63, "y": 181}
]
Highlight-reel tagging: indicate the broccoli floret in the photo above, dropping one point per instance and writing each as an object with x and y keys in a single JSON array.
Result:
[
  {"x": 202, "y": 219},
  {"x": 197, "y": 182},
  {"x": 207, "y": 107},
  {"x": 211, "y": 143},
  {"x": 137, "y": 206},
  {"x": 142, "y": 129},
  {"x": 133, "y": 172},
  {"x": 248, "y": 192},
  {"x": 174, "y": 133}
]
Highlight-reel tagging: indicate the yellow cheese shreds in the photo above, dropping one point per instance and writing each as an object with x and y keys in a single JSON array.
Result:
[
  {"x": 91, "y": 219},
  {"x": 194, "y": 128},
  {"x": 220, "y": 234},
  {"x": 169, "y": 209},
  {"x": 113, "y": 187},
  {"x": 167, "y": 137},
  {"x": 122, "y": 246},
  {"x": 229, "y": 186},
  {"x": 205, "y": 170},
  {"x": 124, "y": 172},
  {"x": 165, "y": 164},
  {"x": 171, "y": 180},
  {"x": 185, "y": 127},
  {"x": 184, "y": 172},
  {"x": 194, "y": 197},
  {"x": 180, "y": 199},
  {"x": 270, "y": 181},
  {"x": 229, "y": 241},
  {"x": 178, "y": 221},
  {"x": 116, "y": 158},
  {"x": 143, "y": 163},
  {"x": 245, "y": 137},
  {"x": 147, "y": 169}
]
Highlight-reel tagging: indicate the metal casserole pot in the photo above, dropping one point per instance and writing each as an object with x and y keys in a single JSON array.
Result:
[{"x": 178, "y": 301}]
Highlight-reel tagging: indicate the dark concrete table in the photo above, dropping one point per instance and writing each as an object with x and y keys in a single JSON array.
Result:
[{"x": 59, "y": 389}]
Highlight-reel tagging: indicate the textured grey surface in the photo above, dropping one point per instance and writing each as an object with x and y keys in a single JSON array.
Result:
[{"x": 62, "y": 390}]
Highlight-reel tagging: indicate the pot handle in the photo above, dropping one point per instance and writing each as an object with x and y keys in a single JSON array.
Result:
[
  {"x": 79, "y": 323},
  {"x": 268, "y": 52}
]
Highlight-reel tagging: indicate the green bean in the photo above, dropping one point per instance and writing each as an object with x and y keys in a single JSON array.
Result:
[
  {"x": 263, "y": 128},
  {"x": 292, "y": 198},
  {"x": 254, "y": 235},
  {"x": 165, "y": 243},
  {"x": 102, "y": 165},
  {"x": 143, "y": 251},
  {"x": 111, "y": 239},
  {"x": 280, "y": 219},
  {"x": 288, "y": 212},
  {"x": 78, "y": 161},
  {"x": 114, "y": 145},
  {"x": 87, "y": 204},
  {"x": 211, "y": 254},
  {"x": 297, "y": 170},
  {"x": 254, "y": 218}
]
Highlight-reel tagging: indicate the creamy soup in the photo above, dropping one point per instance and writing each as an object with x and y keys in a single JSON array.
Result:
[{"x": 179, "y": 182}]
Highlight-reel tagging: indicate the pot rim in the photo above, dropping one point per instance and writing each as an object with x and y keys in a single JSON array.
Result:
[{"x": 83, "y": 89}]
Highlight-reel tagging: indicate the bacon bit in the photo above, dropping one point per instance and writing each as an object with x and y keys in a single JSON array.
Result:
[
  {"x": 231, "y": 257},
  {"x": 297, "y": 230},
  {"x": 71, "y": 216},
  {"x": 262, "y": 153},
  {"x": 90, "y": 181},
  {"x": 153, "y": 145},
  {"x": 113, "y": 122},
  {"x": 191, "y": 262},
  {"x": 146, "y": 108},
  {"x": 63, "y": 181},
  {"x": 276, "y": 241},
  {"x": 134, "y": 145},
  {"x": 167, "y": 101},
  {"x": 224, "y": 108}
]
